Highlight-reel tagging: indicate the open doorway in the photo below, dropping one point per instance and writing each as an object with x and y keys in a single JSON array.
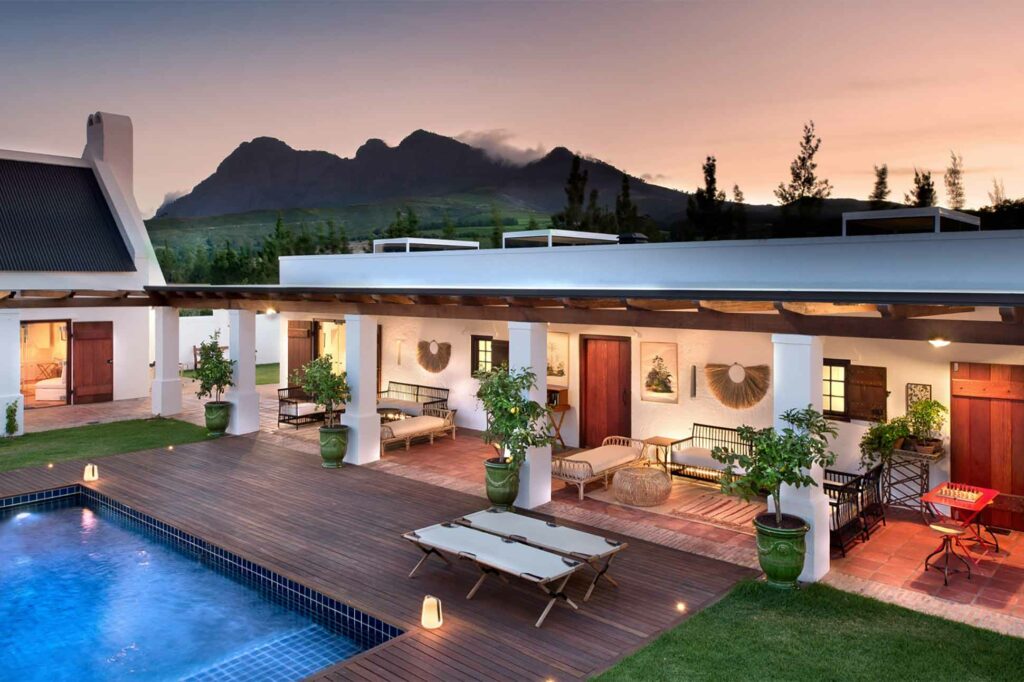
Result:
[
  {"x": 330, "y": 340},
  {"x": 44, "y": 363}
]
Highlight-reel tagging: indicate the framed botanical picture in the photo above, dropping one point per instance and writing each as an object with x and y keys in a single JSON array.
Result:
[
  {"x": 918, "y": 392},
  {"x": 659, "y": 372},
  {"x": 558, "y": 359}
]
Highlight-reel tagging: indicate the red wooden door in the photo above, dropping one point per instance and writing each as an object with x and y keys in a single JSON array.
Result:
[
  {"x": 92, "y": 362},
  {"x": 604, "y": 389},
  {"x": 987, "y": 434},
  {"x": 301, "y": 344}
]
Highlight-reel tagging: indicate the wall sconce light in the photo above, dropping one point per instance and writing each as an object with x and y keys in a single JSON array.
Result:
[
  {"x": 431, "y": 617},
  {"x": 939, "y": 342},
  {"x": 271, "y": 312},
  {"x": 91, "y": 473}
]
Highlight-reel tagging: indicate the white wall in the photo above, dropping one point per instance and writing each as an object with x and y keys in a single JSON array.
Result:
[{"x": 197, "y": 329}]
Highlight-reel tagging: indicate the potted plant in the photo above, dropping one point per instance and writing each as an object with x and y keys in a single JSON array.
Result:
[
  {"x": 213, "y": 372},
  {"x": 881, "y": 439},
  {"x": 514, "y": 424},
  {"x": 330, "y": 391},
  {"x": 926, "y": 419},
  {"x": 779, "y": 458}
]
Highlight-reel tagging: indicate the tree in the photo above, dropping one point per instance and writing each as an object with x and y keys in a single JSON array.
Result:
[
  {"x": 626, "y": 212},
  {"x": 997, "y": 197},
  {"x": 448, "y": 231},
  {"x": 496, "y": 223},
  {"x": 804, "y": 182},
  {"x": 739, "y": 213},
  {"x": 571, "y": 217},
  {"x": 704, "y": 206},
  {"x": 880, "y": 194},
  {"x": 954, "y": 179},
  {"x": 923, "y": 192},
  {"x": 405, "y": 224}
]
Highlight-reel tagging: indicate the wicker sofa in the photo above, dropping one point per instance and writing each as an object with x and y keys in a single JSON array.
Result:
[
  {"x": 412, "y": 399},
  {"x": 691, "y": 457},
  {"x": 588, "y": 466},
  {"x": 432, "y": 423}
]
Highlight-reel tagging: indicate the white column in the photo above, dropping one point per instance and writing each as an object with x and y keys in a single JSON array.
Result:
[
  {"x": 528, "y": 347},
  {"x": 797, "y": 384},
  {"x": 361, "y": 410},
  {"x": 166, "y": 389},
  {"x": 282, "y": 335},
  {"x": 245, "y": 401},
  {"x": 10, "y": 369}
]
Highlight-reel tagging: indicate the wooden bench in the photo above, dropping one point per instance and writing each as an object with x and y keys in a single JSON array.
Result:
[
  {"x": 691, "y": 457},
  {"x": 412, "y": 398},
  {"x": 433, "y": 422},
  {"x": 295, "y": 407}
]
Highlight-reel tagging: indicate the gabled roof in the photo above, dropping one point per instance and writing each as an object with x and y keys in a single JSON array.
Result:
[{"x": 55, "y": 218}]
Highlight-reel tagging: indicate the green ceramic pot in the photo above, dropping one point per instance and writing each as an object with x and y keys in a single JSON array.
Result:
[
  {"x": 333, "y": 445},
  {"x": 502, "y": 483},
  {"x": 781, "y": 550},
  {"x": 218, "y": 412}
]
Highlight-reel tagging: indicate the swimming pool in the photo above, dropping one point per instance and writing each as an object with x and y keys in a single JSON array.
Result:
[{"x": 92, "y": 590}]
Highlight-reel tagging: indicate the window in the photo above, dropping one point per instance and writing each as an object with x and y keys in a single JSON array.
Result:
[
  {"x": 486, "y": 353},
  {"x": 854, "y": 391}
]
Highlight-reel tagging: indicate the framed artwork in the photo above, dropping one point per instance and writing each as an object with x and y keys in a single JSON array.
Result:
[
  {"x": 659, "y": 372},
  {"x": 918, "y": 392},
  {"x": 558, "y": 359}
]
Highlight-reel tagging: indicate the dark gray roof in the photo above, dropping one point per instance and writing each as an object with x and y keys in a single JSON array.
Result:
[{"x": 55, "y": 218}]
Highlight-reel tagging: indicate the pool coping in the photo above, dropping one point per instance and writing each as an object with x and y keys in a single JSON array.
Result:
[{"x": 367, "y": 630}]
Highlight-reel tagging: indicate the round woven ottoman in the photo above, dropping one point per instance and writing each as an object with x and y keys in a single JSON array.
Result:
[{"x": 641, "y": 486}]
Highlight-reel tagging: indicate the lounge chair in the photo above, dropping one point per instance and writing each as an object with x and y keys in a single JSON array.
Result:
[
  {"x": 616, "y": 452},
  {"x": 495, "y": 555},
  {"x": 433, "y": 422},
  {"x": 596, "y": 551}
]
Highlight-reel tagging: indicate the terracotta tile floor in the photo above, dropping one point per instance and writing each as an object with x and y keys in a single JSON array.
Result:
[{"x": 894, "y": 555}]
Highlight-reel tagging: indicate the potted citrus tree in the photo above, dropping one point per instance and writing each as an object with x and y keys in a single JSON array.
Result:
[
  {"x": 514, "y": 424},
  {"x": 926, "y": 418},
  {"x": 330, "y": 391},
  {"x": 213, "y": 372},
  {"x": 777, "y": 458}
]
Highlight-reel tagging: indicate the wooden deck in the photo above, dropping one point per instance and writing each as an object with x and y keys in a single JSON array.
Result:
[{"x": 338, "y": 531}]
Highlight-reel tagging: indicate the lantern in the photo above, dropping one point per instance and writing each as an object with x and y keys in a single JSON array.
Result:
[
  {"x": 431, "y": 618},
  {"x": 92, "y": 473}
]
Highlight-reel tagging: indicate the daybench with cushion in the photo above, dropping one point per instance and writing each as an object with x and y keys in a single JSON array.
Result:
[
  {"x": 616, "y": 452},
  {"x": 433, "y": 422},
  {"x": 412, "y": 398},
  {"x": 295, "y": 407},
  {"x": 691, "y": 457},
  {"x": 855, "y": 504}
]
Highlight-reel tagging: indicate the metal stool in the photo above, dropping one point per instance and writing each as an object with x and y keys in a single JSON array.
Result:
[{"x": 951, "y": 534}]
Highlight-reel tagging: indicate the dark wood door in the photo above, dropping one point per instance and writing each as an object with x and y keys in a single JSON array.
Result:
[
  {"x": 301, "y": 344},
  {"x": 604, "y": 389},
  {"x": 987, "y": 434},
  {"x": 92, "y": 362}
]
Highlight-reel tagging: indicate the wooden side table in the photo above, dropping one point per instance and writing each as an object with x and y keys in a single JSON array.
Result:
[
  {"x": 662, "y": 445},
  {"x": 557, "y": 417}
]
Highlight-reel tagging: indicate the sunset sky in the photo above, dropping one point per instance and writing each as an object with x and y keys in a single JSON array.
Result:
[{"x": 651, "y": 88}]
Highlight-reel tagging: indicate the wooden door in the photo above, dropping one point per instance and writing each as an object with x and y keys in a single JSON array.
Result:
[
  {"x": 92, "y": 362},
  {"x": 987, "y": 434},
  {"x": 301, "y": 344},
  {"x": 604, "y": 389}
]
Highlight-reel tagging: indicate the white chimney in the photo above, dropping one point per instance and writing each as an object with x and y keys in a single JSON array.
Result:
[{"x": 109, "y": 139}]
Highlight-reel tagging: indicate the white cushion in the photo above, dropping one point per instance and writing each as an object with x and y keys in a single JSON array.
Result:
[
  {"x": 694, "y": 456},
  {"x": 605, "y": 457},
  {"x": 299, "y": 409},
  {"x": 407, "y": 406},
  {"x": 404, "y": 428}
]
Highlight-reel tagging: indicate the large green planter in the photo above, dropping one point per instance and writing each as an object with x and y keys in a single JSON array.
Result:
[
  {"x": 502, "y": 483},
  {"x": 781, "y": 550},
  {"x": 333, "y": 445},
  {"x": 218, "y": 413}
]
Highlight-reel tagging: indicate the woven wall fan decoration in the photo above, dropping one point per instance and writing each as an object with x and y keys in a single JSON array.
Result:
[
  {"x": 433, "y": 356},
  {"x": 737, "y": 386}
]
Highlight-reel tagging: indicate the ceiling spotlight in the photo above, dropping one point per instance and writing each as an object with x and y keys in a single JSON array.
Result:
[{"x": 939, "y": 341}]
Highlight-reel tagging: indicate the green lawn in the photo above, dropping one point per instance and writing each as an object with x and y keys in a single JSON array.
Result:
[
  {"x": 265, "y": 374},
  {"x": 95, "y": 440},
  {"x": 820, "y": 633}
]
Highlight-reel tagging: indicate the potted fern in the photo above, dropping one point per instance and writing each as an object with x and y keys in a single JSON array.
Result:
[
  {"x": 331, "y": 391},
  {"x": 777, "y": 458},
  {"x": 514, "y": 424},
  {"x": 213, "y": 372}
]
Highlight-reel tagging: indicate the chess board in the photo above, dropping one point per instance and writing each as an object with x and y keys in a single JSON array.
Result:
[{"x": 962, "y": 493}]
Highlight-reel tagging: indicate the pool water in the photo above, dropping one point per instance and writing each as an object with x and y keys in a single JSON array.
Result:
[{"x": 84, "y": 596}]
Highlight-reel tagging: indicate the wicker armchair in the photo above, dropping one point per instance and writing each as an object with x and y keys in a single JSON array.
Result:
[{"x": 588, "y": 466}]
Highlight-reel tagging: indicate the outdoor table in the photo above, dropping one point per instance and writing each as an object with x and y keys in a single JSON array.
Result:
[
  {"x": 970, "y": 501},
  {"x": 662, "y": 446}
]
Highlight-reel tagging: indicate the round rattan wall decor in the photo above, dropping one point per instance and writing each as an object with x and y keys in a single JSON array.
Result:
[
  {"x": 433, "y": 356},
  {"x": 737, "y": 386}
]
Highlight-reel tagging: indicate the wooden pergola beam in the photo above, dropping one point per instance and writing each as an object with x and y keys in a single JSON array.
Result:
[
  {"x": 824, "y": 308},
  {"x": 903, "y": 312},
  {"x": 659, "y": 304},
  {"x": 398, "y": 299},
  {"x": 1012, "y": 314},
  {"x": 593, "y": 303},
  {"x": 530, "y": 302},
  {"x": 733, "y": 307}
]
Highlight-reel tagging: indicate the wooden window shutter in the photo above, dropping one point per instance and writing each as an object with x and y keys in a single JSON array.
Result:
[
  {"x": 866, "y": 393},
  {"x": 499, "y": 353}
]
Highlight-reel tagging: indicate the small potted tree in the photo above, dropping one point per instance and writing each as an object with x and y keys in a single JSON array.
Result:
[
  {"x": 779, "y": 458},
  {"x": 881, "y": 439},
  {"x": 926, "y": 419},
  {"x": 213, "y": 372},
  {"x": 514, "y": 424},
  {"x": 331, "y": 391}
]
